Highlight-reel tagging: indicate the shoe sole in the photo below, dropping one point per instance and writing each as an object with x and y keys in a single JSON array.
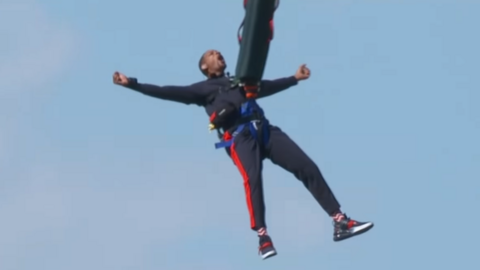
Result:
[
  {"x": 356, "y": 231},
  {"x": 269, "y": 254}
]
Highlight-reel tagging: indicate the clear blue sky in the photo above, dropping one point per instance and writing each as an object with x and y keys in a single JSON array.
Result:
[{"x": 98, "y": 177}]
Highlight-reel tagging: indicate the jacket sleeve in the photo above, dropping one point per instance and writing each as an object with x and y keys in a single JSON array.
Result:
[
  {"x": 271, "y": 87},
  {"x": 192, "y": 94}
]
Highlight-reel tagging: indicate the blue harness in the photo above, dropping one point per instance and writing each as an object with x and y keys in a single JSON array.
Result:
[{"x": 248, "y": 109}]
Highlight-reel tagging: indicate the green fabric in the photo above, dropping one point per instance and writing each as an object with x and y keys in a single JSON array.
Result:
[{"x": 254, "y": 46}]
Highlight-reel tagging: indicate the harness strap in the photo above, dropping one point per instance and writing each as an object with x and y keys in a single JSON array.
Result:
[
  {"x": 249, "y": 119},
  {"x": 227, "y": 140}
]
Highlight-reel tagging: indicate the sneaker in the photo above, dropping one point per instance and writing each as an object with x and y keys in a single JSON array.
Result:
[
  {"x": 266, "y": 249},
  {"x": 348, "y": 227}
]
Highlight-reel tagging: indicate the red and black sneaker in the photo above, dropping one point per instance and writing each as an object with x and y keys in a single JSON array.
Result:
[
  {"x": 348, "y": 227},
  {"x": 266, "y": 249}
]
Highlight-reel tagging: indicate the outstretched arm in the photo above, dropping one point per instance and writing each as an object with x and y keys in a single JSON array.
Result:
[
  {"x": 192, "y": 94},
  {"x": 271, "y": 87}
]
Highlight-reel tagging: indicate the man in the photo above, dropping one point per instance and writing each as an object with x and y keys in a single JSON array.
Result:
[{"x": 246, "y": 148}]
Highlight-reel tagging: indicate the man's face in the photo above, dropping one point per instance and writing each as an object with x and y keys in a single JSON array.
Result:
[{"x": 214, "y": 62}]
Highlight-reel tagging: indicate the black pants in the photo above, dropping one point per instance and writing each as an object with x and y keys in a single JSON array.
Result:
[{"x": 248, "y": 155}]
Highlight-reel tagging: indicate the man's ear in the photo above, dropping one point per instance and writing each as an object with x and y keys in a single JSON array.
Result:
[{"x": 204, "y": 67}]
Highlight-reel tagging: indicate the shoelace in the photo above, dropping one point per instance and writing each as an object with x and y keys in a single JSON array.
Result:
[{"x": 349, "y": 222}]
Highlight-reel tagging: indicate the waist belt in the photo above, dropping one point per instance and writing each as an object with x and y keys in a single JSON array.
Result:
[{"x": 251, "y": 115}]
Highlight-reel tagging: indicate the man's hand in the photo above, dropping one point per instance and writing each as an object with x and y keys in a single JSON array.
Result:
[
  {"x": 303, "y": 73},
  {"x": 120, "y": 79}
]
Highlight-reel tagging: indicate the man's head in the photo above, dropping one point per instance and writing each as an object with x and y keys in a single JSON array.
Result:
[{"x": 212, "y": 64}]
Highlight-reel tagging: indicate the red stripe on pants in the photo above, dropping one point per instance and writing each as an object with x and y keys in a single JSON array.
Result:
[{"x": 246, "y": 184}]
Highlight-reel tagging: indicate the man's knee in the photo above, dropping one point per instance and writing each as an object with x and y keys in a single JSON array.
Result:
[{"x": 309, "y": 170}]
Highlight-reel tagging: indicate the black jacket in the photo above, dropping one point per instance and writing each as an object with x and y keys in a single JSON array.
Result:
[{"x": 212, "y": 94}]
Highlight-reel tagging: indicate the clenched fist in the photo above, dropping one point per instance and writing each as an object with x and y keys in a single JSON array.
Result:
[
  {"x": 303, "y": 73},
  {"x": 120, "y": 79}
]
